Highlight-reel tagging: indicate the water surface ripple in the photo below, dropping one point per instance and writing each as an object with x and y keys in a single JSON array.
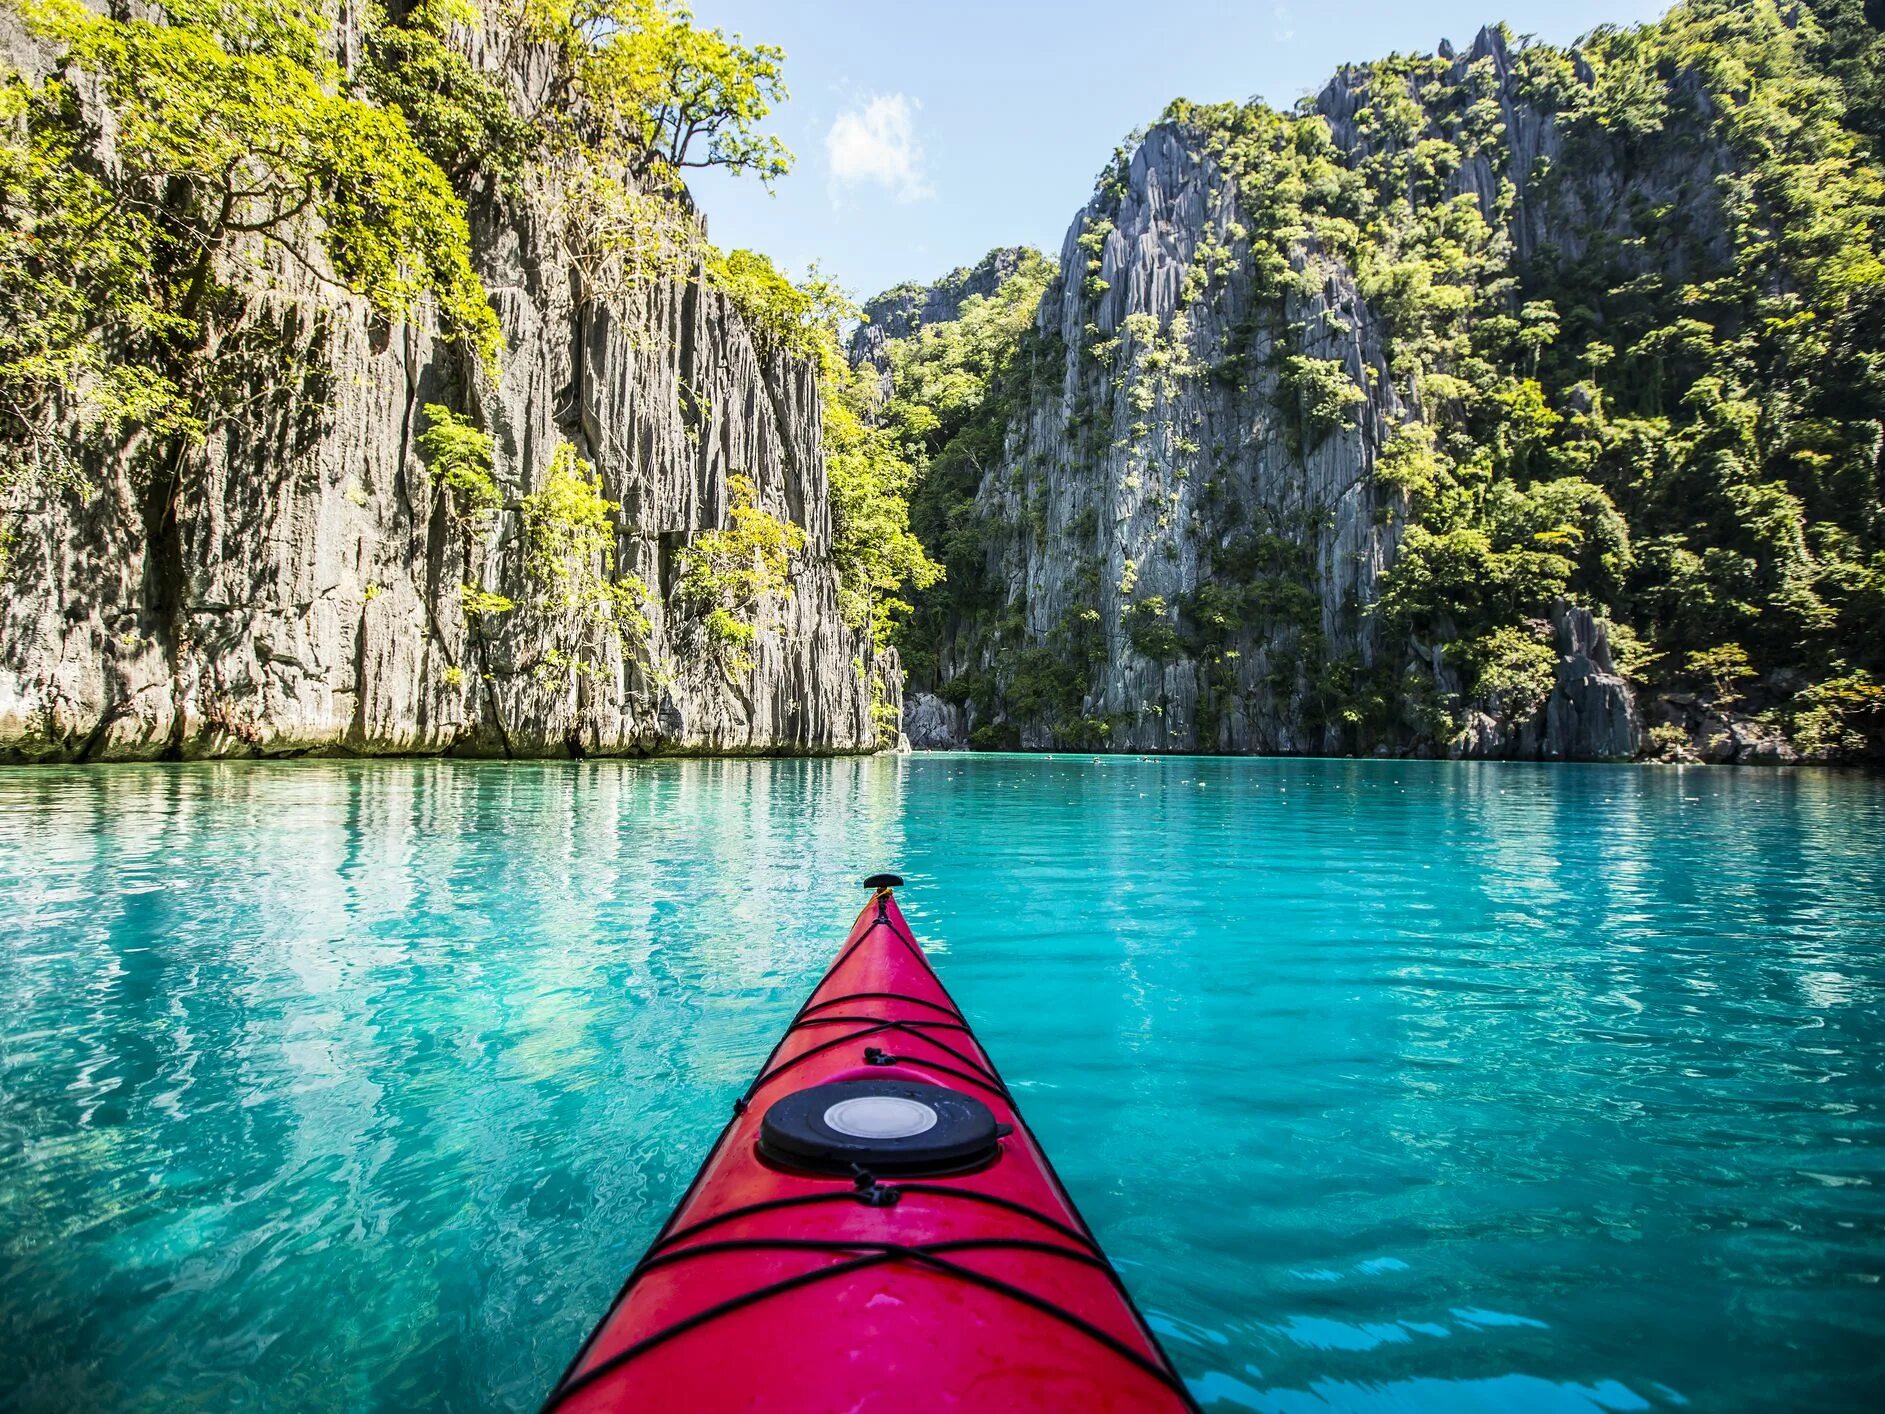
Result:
[{"x": 1390, "y": 1086}]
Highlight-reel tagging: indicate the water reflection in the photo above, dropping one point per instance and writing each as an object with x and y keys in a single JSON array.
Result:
[{"x": 1390, "y": 1085}]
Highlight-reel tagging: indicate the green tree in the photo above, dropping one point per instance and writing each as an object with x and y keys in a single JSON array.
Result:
[
  {"x": 569, "y": 551},
  {"x": 1721, "y": 668},
  {"x": 729, "y": 573},
  {"x": 879, "y": 558},
  {"x": 461, "y": 457},
  {"x": 229, "y": 135},
  {"x": 636, "y": 82},
  {"x": 461, "y": 115},
  {"x": 1851, "y": 47}
]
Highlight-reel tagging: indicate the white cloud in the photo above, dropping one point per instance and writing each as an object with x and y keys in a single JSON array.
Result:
[
  {"x": 1285, "y": 29},
  {"x": 877, "y": 145}
]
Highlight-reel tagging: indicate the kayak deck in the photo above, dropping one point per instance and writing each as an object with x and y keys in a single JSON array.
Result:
[{"x": 800, "y": 1278}]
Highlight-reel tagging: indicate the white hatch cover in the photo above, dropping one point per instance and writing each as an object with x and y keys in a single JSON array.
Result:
[{"x": 880, "y": 1117}]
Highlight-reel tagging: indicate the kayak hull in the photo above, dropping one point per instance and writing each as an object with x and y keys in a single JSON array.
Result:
[{"x": 776, "y": 1287}]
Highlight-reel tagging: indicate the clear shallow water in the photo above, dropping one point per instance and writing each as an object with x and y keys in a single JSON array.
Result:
[{"x": 1390, "y": 1086}]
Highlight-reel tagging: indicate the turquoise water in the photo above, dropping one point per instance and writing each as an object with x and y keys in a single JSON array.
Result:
[{"x": 1390, "y": 1086}]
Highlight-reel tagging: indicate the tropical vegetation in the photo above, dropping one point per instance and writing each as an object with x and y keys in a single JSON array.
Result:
[
  {"x": 179, "y": 170},
  {"x": 1647, "y": 375}
]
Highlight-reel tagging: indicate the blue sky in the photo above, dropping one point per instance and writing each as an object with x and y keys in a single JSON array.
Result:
[{"x": 927, "y": 133}]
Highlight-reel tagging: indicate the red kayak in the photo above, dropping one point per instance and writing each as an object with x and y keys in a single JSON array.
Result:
[{"x": 875, "y": 1229}]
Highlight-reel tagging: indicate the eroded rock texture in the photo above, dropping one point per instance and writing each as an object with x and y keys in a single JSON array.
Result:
[
  {"x": 309, "y": 596},
  {"x": 1161, "y": 449}
]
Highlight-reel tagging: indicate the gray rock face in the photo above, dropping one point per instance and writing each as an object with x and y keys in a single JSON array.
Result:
[
  {"x": 314, "y": 599},
  {"x": 1162, "y": 453},
  {"x": 933, "y": 724},
  {"x": 1591, "y": 713},
  {"x": 1115, "y": 494},
  {"x": 1697, "y": 730}
]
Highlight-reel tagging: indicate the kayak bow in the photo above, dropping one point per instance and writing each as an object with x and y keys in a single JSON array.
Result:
[{"x": 874, "y": 1229}]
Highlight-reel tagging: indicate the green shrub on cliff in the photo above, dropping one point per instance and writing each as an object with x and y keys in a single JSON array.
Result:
[
  {"x": 1150, "y": 630},
  {"x": 460, "y": 114},
  {"x": 461, "y": 457},
  {"x": 569, "y": 548},
  {"x": 1841, "y": 715},
  {"x": 580, "y": 612},
  {"x": 870, "y": 474},
  {"x": 728, "y": 574},
  {"x": 1513, "y": 668},
  {"x": 781, "y": 315},
  {"x": 1318, "y": 397}
]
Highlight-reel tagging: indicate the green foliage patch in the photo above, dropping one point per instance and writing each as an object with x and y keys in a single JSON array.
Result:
[{"x": 727, "y": 574}]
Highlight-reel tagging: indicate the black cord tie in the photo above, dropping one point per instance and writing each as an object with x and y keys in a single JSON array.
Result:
[
  {"x": 872, "y": 1194},
  {"x": 810, "y": 1007},
  {"x": 973, "y": 1071}
]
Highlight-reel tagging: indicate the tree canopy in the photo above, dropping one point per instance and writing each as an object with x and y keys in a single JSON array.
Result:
[{"x": 244, "y": 141}]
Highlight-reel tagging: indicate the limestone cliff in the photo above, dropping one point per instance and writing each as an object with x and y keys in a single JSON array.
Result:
[
  {"x": 312, "y": 596},
  {"x": 1166, "y": 450}
]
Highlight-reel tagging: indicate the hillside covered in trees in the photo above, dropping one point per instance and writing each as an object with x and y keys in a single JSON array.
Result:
[{"x": 1526, "y": 401}]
